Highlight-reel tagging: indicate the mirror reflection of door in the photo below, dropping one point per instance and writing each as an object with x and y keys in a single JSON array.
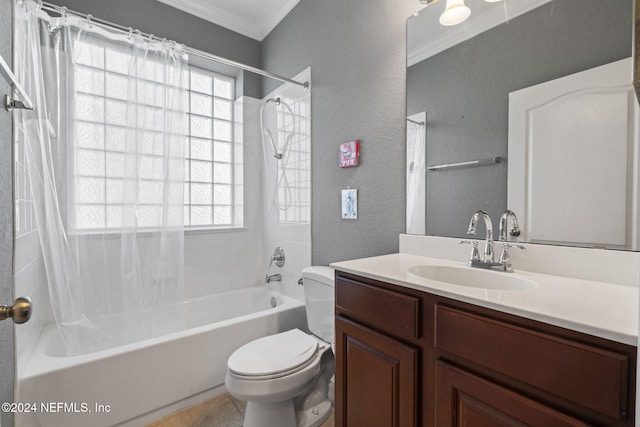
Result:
[{"x": 571, "y": 141}]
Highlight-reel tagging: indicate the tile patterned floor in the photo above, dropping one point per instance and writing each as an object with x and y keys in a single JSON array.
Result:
[{"x": 221, "y": 411}]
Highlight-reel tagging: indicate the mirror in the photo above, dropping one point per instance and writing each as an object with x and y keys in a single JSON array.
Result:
[{"x": 460, "y": 78}]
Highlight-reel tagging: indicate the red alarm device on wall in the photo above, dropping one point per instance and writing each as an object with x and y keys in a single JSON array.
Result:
[{"x": 349, "y": 154}]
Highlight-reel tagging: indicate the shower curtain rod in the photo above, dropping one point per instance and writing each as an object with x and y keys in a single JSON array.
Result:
[
  {"x": 190, "y": 50},
  {"x": 417, "y": 123}
]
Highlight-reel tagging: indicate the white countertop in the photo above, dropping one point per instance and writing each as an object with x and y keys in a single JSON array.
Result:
[{"x": 606, "y": 310}]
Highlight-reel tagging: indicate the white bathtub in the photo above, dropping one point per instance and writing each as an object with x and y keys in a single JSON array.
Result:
[{"x": 137, "y": 383}]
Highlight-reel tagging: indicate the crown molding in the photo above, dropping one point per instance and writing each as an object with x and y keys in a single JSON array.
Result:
[
  {"x": 257, "y": 28},
  {"x": 217, "y": 15},
  {"x": 483, "y": 22},
  {"x": 274, "y": 14}
]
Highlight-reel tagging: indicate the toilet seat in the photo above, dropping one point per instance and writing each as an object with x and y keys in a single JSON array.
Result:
[{"x": 274, "y": 356}]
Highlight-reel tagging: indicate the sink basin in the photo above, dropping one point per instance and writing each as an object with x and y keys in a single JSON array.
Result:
[{"x": 472, "y": 277}]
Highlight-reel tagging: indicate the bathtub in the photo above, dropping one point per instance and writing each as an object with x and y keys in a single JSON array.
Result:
[{"x": 137, "y": 383}]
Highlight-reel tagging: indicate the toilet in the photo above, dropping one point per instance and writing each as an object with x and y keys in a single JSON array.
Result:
[{"x": 285, "y": 378}]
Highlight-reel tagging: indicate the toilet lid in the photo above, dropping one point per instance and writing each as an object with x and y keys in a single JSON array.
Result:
[{"x": 273, "y": 354}]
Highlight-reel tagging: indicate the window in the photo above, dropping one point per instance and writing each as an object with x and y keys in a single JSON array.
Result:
[
  {"x": 295, "y": 195},
  {"x": 98, "y": 152},
  {"x": 209, "y": 152}
]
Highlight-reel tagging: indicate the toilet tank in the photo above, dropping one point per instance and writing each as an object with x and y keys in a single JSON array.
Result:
[{"x": 319, "y": 296}]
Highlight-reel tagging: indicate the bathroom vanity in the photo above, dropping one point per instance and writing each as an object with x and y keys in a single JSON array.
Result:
[{"x": 412, "y": 351}]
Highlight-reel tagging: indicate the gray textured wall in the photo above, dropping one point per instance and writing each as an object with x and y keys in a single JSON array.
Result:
[
  {"x": 151, "y": 16},
  {"x": 7, "y": 354},
  {"x": 465, "y": 93},
  {"x": 357, "y": 53}
]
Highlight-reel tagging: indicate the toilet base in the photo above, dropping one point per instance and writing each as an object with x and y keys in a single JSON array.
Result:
[
  {"x": 315, "y": 416},
  {"x": 283, "y": 414},
  {"x": 270, "y": 414}
]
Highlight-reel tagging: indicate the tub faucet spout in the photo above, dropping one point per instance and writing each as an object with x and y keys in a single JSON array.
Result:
[{"x": 268, "y": 278}]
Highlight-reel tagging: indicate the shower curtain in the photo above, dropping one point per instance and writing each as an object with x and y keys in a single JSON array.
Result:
[
  {"x": 104, "y": 152},
  {"x": 416, "y": 179}
]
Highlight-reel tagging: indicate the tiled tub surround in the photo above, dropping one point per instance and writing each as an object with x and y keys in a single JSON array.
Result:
[
  {"x": 586, "y": 290},
  {"x": 144, "y": 381}
]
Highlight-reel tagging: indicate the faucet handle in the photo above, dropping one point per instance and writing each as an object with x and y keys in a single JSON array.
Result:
[
  {"x": 510, "y": 245},
  {"x": 475, "y": 254},
  {"x": 278, "y": 257},
  {"x": 504, "y": 255}
]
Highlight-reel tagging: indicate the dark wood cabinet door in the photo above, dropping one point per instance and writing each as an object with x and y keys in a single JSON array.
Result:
[
  {"x": 465, "y": 400},
  {"x": 376, "y": 378}
]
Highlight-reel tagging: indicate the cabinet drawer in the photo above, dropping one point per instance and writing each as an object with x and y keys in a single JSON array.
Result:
[
  {"x": 589, "y": 376},
  {"x": 474, "y": 401},
  {"x": 390, "y": 311}
]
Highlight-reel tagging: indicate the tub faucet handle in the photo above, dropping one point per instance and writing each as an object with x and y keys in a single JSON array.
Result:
[{"x": 278, "y": 257}]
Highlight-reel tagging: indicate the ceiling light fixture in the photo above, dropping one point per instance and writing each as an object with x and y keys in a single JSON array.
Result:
[{"x": 455, "y": 11}]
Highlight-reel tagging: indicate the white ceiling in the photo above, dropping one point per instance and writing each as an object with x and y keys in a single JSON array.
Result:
[{"x": 252, "y": 18}]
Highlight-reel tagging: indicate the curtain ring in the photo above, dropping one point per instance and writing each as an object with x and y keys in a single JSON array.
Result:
[
  {"x": 89, "y": 18},
  {"x": 130, "y": 33}
]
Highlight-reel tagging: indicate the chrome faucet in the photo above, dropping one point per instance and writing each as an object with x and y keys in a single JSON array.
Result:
[
  {"x": 488, "y": 261},
  {"x": 488, "y": 246},
  {"x": 268, "y": 278}
]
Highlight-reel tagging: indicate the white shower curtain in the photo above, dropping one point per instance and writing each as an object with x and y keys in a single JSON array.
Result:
[
  {"x": 104, "y": 152},
  {"x": 416, "y": 178}
]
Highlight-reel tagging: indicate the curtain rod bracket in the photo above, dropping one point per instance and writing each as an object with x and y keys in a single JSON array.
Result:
[
  {"x": 9, "y": 102},
  {"x": 13, "y": 104}
]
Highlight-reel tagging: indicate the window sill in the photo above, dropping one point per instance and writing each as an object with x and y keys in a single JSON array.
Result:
[
  {"x": 206, "y": 230},
  {"x": 109, "y": 234}
]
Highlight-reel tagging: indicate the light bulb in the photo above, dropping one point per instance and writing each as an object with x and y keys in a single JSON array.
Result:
[{"x": 454, "y": 13}]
